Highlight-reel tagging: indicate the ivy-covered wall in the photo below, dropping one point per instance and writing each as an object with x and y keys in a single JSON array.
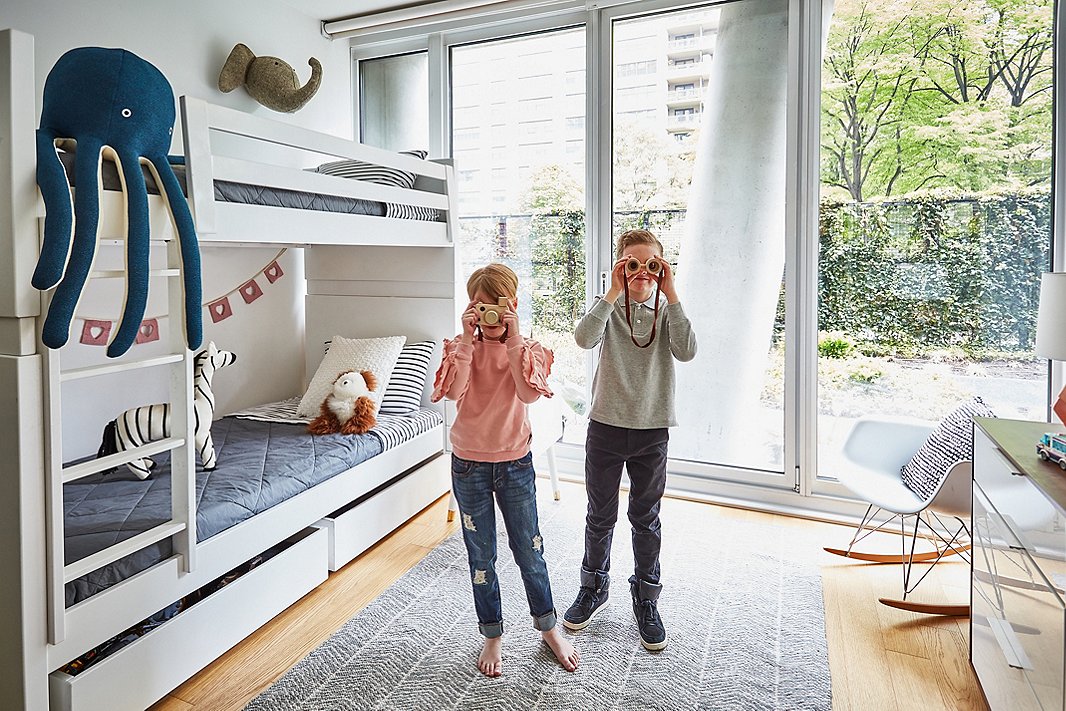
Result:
[
  {"x": 935, "y": 271},
  {"x": 905, "y": 277}
]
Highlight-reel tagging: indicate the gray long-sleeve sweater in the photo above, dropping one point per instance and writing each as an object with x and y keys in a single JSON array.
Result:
[{"x": 634, "y": 387}]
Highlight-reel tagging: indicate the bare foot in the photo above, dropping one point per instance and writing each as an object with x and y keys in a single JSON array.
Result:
[
  {"x": 491, "y": 659},
  {"x": 565, "y": 652}
]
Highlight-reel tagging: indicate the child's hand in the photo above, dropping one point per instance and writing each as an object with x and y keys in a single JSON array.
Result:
[
  {"x": 510, "y": 320},
  {"x": 469, "y": 319},
  {"x": 618, "y": 279},
  {"x": 667, "y": 284}
]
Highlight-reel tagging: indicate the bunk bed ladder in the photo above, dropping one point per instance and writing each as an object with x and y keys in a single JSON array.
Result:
[{"x": 181, "y": 527}]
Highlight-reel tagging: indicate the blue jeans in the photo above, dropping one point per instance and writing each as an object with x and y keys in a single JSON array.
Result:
[{"x": 513, "y": 484}]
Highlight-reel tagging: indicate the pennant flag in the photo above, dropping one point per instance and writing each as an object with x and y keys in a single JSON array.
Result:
[
  {"x": 220, "y": 309},
  {"x": 95, "y": 332},
  {"x": 250, "y": 291},
  {"x": 273, "y": 272},
  {"x": 148, "y": 332}
]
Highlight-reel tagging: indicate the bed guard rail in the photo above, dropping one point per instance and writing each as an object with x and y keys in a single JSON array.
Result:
[{"x": 203, "y": 122}]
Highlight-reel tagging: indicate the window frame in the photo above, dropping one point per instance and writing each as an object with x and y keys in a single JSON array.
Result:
[{"x": 806, "y": 28}]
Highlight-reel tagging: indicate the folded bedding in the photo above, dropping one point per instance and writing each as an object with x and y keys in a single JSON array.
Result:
[
  {"x": 260, "y": 464},
  {"x": 390, "y": 429},
  {"x": 226, "y": 191}
]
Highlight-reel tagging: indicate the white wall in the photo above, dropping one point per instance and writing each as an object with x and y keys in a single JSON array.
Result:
[{"x": 189, "y": 43}]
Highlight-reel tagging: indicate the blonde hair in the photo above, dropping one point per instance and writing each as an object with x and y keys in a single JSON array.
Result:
[
  {"x": 493, "y": 280},
  {"x": 631, "y": 237}
]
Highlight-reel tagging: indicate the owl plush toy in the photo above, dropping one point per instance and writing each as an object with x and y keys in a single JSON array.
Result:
[{"x": 348, "y": 409}]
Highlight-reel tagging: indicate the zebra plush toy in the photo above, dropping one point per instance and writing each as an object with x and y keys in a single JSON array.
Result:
[{"x": 149, "y": 423}]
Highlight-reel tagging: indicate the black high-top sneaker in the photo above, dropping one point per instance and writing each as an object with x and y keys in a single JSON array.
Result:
[
  {"x": 589, "y": 601},
  {"x": 645, "y": 609}
]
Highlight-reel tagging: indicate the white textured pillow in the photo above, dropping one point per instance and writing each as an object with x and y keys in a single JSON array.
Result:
[{"x": 378, "y": 355}]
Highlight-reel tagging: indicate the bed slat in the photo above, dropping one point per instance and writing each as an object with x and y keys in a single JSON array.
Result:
[
  {"x": 121, "y": 273},
  {"x": 95, "y": 370},
  {"x": 120, "y": 550},
  {"x": 226, "y": 120},
  {"x": 80, "y": 471}
]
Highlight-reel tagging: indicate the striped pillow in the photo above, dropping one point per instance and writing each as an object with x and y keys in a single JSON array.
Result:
[
  {"x": 403, "y": 394},
  {"x": 360, "y": 170},
  {"x": 951, "y": 441},
  {"x": 411, "y": 212}
]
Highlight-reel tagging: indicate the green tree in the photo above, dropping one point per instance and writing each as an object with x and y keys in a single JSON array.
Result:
[
  {"x": 555, "y": 201},
  {"x": 985, "y": 89},
  {"x": 937, "y": 93},
  {"x": 651, "y": 171},
  {"x": 867, "y": 84}
]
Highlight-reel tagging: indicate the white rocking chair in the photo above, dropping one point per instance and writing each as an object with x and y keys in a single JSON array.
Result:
[{"x": 875, "y": 451}]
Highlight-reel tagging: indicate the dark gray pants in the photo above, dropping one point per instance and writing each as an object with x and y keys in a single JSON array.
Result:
[{"x": 643, "y": 452}]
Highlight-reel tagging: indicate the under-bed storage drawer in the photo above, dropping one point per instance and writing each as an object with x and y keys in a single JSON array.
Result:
[
  {"x": 355, "y": 528},
  {"x": 146, "y": 670}
]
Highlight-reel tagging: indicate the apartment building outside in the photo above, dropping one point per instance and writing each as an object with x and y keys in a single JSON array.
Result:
[{"x": 519, "y": 104}]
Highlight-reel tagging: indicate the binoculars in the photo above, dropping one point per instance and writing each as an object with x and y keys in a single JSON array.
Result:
[
  {"x": 492, "y": 314},
  {"x": 654, "y": 266}
]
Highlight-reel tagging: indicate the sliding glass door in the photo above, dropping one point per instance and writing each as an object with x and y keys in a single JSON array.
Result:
[
  {"x": 700, "y": 108},
  {"x": 697, "y": 152},
  {"x": 886, "y": 263},
  {"x": 935, "y": 219},
  {"x": 518, "y": 140}
]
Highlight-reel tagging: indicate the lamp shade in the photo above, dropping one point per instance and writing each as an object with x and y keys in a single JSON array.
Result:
[{"x": 1051, "y": 319}]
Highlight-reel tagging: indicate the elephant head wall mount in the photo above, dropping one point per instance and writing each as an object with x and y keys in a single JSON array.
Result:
[{"x": 270, "y": 81}]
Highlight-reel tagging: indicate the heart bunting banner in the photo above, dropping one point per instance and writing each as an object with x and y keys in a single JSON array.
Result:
[{"x": 97, "y": 331}]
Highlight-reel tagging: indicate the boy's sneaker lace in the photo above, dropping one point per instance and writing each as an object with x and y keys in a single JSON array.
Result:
[
  {"x": 589, "y": 601},
  {"x": 646, "y": 610}
]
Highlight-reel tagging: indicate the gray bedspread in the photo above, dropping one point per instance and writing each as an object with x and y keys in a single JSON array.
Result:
[{"x": 260, "y": 464}]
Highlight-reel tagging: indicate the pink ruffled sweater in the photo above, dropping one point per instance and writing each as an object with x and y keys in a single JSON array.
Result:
[{"x": 491, "y": 383}]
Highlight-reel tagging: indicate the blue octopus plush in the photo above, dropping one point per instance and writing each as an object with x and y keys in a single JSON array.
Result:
[{"x": 111, "y": 103}]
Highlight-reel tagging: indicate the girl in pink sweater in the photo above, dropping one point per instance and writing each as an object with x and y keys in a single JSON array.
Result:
[{"x": 492, "y": 373}]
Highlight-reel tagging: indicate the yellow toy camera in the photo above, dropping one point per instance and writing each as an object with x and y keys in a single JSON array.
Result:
[{"x": 492, "y": 314}]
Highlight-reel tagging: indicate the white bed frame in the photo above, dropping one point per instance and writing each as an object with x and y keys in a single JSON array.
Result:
[{"x": 366, "y": 276}]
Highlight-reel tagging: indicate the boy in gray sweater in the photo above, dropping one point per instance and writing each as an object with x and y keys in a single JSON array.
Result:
[{"x": 632, "y": 407}]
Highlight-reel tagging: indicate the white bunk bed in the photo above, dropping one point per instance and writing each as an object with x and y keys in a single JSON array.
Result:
[{"x": 366, "y": 276}]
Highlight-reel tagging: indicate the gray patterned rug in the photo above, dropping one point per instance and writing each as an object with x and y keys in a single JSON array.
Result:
[{"x": 747, "y": 630}]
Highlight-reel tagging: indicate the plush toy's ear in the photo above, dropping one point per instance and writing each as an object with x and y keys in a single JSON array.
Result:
[
  {"x": 370, "y": 378},
  {"x": 236, "y": 66},
  {"x": 212, "y": 350}
]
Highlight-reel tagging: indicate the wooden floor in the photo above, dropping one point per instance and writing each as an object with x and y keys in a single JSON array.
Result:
[{"x": 879, "y": 658}]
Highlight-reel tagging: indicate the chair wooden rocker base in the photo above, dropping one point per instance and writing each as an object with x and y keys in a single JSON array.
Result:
[
  {"x": 927, "y": 608},
  {"x": 890, "y": 558},
  {"x": 958, "y": 544},
  {"x": 964, "y": 610}
]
